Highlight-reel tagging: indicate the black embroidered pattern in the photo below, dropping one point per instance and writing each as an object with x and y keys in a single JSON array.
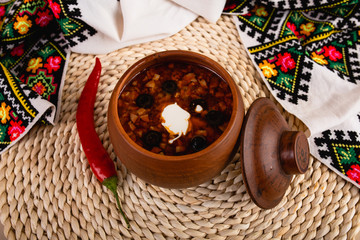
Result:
[
  {"x": 238, "y": 7},
  {"x": 342, "y": 148},
  {"x": 285, "y": 39},
  {"x": 286, "y": 68},
  {"x": 342, "y": 57},
  {"x": 10, "y": 88},
  {"x": 16, "y": 110},
  {"x": 348, "y": 16},
  {"x": 241, "y": 6},
  {"x": 302, "y": 5},
  {"x": 261, "y": 23},
  {"x": 35, "y": 39},
  {"x": 75, "y": 30}
]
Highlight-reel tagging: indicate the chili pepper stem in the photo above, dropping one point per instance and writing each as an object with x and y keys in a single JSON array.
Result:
[{"x": 111, "y": 184}]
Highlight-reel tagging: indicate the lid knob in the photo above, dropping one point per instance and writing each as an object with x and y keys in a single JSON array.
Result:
[{"x": 294, "y": 152}]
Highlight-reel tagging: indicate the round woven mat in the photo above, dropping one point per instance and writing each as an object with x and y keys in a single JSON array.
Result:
[{"x": 47, "y": 190}]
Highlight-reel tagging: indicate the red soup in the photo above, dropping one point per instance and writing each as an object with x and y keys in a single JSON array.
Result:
[{"x": 205, "y": 97}]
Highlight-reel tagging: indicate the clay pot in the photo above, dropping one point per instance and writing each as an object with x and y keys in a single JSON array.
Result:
[{"x": 176, "y": 171}]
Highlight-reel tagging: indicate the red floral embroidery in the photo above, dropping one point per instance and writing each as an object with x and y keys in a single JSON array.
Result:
[
  {"x": 292, "y": 28},
  {"x": 23, "y": 24},
  {"x": 44, "y": 18},
  {"x": 15, "y": 130},
  {"x": 18, "y": 50},
  {"x": 39, "y": 88},
  {"x": 53, "y": 64},
  {"x": 230, "y": 7},
  {"x": 354, "y": 173},
  {"x": 332, "y": 53},
  {"x": 2, "y": 11},
  {"x": 22, "y": 78},
  {"x": 301, "y": 37},
  {"x": 55, "y": 7},
  {"x": 286, "y": 62},
  {"x": 4, "y": 113},
  {"x": 34, "y": 64}
]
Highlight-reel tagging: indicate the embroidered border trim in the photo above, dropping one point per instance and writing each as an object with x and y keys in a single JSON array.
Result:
[{"x": 17, "y": 92}]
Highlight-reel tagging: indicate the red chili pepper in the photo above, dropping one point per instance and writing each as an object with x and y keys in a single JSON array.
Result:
[{"x": 100, "y": 162}]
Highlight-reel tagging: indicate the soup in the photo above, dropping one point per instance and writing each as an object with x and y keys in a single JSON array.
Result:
[{"x": 192, "y": 91}]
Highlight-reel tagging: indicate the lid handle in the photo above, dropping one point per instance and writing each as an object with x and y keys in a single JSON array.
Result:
[{"x": 294, "y": 152}]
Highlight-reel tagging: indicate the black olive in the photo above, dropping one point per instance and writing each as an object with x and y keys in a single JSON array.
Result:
[
  {"x": 197, "y": 102},
  {"x": 198, "y": 143},
  {"x": 152, "y": 138},
  {"x": 215, "y": 118},
  {"x": 144, "y": 100},
  {"x": 169, "y": 86}
]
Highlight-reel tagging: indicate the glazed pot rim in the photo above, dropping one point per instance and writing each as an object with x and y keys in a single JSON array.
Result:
[{"x": 158, "y": 57}]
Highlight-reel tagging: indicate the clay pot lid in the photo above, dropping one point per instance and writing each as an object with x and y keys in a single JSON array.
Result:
[{"x": 270, "y": 153}]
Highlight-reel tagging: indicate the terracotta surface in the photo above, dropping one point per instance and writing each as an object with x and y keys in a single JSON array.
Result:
[
  {"x": 271, "y": 153},
  {"x": 176, "y": 171}
]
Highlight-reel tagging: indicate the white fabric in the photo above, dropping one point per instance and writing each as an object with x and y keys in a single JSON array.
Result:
[
  {"x": 326, "y": 106},
  {"x": 128, "y": 22},
  {"x": 209, "y": 9}
]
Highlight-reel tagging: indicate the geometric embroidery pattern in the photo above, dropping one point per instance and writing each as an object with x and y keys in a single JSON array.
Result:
[
  {"x": 285, "y": 67},
  {"x": 42, "y": 84},
  {"x": 291, "y": 41},
  {"x": 238, "y": 8},
  {"x": 304, "y": 28},
  {"x": 343, "y": 149},
  {"x": 67, "y": 16},
  {"x": 285, "y": 39},
  {"x": 339, "y": 53},
  {"x": 16, "y": 112},
  {"x": 345, "y": 15},
  {"x": 36, "y": 36},
  {"x": 305, "y": 5},
  {"x": 259, "y": 23},
  {"x": 45, "y": 61}
]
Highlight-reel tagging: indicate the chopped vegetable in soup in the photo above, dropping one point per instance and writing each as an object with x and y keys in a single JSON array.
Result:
[{"x": 196, "y": 90}]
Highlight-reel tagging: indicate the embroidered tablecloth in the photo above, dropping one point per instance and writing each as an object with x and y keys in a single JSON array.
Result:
[
  {"x": 308, "y": 55},
  {"x": 37, "y": 37}
]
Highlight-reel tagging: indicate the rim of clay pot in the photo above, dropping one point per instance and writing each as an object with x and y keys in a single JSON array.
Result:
[{"x": 180, "y": 56}]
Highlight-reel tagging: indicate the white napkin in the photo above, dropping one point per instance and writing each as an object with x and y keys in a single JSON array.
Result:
[
  {"x": 127, "y": 22},
  {"x": 209, "y": 9}
]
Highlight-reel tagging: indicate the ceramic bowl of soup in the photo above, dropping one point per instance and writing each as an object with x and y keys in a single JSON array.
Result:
[{"x": 174, "y": 119}]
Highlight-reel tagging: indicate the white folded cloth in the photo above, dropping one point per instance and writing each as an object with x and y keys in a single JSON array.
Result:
[{"x": 128, "y": 22}]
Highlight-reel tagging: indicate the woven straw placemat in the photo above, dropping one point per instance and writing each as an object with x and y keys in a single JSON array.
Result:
[{"x": 47, "y": 190}]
